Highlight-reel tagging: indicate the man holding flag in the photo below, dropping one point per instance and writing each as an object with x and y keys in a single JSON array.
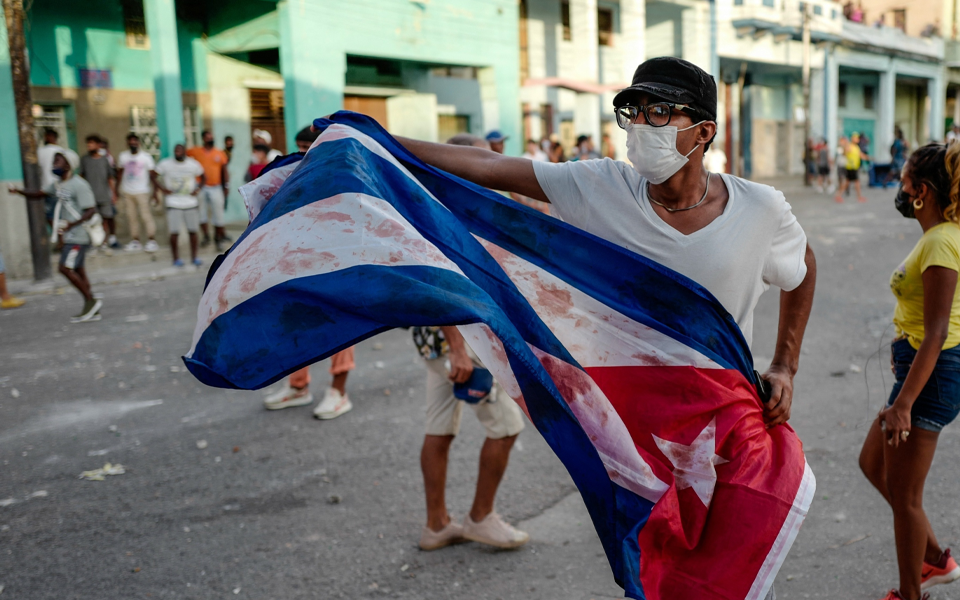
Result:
[
  {"x": 732, "y": 236},
  {"x": 626, "y": 341}
]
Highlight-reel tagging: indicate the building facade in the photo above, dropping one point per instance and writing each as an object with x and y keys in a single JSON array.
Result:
[{"x": 167, "y": 69}]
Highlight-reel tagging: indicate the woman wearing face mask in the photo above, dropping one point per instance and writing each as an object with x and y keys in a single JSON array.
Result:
[{"x": 899, "y": 448}]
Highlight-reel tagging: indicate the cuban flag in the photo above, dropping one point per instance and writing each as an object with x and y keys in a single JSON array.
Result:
[{"x": 636, "y": 376}]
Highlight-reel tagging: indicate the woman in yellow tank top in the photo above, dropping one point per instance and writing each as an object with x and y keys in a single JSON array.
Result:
[{"x": 899, "y": 448}]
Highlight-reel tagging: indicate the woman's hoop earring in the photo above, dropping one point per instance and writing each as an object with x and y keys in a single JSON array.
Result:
[{"x": 917, "y": 204}]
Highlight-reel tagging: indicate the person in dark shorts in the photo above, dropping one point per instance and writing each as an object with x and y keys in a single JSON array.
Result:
[
  {"x": 77, "y": 204},
  {"x": 95, "y": 167},
  {"x": 898, "y": 452}
]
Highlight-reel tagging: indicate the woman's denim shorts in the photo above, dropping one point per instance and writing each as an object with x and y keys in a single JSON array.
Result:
[{"x": 939, "y": 401}]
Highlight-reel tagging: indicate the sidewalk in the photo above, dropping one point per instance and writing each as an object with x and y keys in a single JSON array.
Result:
[{"x": 118, "y": 266}]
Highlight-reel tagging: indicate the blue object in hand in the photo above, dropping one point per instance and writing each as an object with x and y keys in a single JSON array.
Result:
[{"x": 475, "y": 389}]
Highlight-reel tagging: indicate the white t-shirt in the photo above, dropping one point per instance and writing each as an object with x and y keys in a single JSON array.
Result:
[
  {"x": 756, "y": 242},
  {"x": 45, "y": 156},
  {"x": 136, "y": 171},
  {"x": 180, "y": 177}
]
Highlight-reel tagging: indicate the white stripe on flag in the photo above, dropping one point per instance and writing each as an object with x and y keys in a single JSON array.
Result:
[
  {"x": 788, "y": 533},
  {"x": 325, "y": 236},
  {"x": 258, "y": 192},
  {"x": 593, "y": 410},
  {"x": 595, "y": 334}
]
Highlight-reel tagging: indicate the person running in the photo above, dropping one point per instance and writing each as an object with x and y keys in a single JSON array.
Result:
[
  {"x": 77, "y": 204},
  {"x": 668, "y": 208},
  {"x": 296, "y": 390},
  {"x": 138, "y": 188},
  {"x": 180, "y": 179},
  {"x": 7, "y": 300},
  {"x": 900, "y": 445},
  {"x": 213, "y": 194},
  {"x": 852, "y": 157},
  {"x": 96, "y": 169}
]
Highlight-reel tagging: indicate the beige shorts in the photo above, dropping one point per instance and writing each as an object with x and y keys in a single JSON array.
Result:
[{"x": 498, "y": 414}]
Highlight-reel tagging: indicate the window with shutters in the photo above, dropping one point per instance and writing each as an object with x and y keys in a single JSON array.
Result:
[
  {"x": 135, "y": 25},
  {"x": 266, "y": 112},
  {"x": 605, "y": 26}
]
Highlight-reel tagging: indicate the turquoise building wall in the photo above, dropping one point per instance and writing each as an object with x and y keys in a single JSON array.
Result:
[
  {"x": 66, "y": 35},
  {"x": 316, "y": 37}
]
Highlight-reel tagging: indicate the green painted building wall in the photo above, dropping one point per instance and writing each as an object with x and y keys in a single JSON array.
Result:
[
  {"x": 316, "y": 36},
  {"x": 66, "y": 35}
]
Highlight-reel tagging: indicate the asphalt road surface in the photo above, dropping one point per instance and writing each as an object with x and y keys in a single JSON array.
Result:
[{"x": 222, "y": 499}]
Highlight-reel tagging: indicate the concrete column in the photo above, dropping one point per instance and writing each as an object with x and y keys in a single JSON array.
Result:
[
  {"x": 313, "y": 68},
  {"x": 937, "y": 95},
  {"x": 633, "y": 23},
  {"x": 161, "y": 18},
  {"x": 956, "y": 105},
  {"x": 14, "y": 226},
  {"x": 830, "y": 95},
  {"x": 886, "y": 109}
]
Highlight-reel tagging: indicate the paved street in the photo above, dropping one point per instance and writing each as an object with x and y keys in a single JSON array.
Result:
[{"x": 222, "y": 499}]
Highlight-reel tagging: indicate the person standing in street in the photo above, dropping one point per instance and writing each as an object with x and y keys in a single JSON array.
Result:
[
  {"x": 96, "y": 169},
  {"x": 449, "y": 361},
  {"x": 584, "y": 149},
  {"x": 852, "y": 156},
  {"x": 496, "y": 140},
  {"x": 45, "y": 153},
  {"x": 667, "y": 207},
  {"x": 213, "y": 194},
  {"x": 822, "y": 152},
  {"x": 534, "y": 152},
  {"x": 77, "y": 204},
  {"x": 137, "y": 177},
  {"x": 7, "y": 300},
  {"x": 262, "y": 137},
  {"x": 180, "y": 179},
  {"x": 228, "y": 147},
  {"x": 925, "y": 356}
]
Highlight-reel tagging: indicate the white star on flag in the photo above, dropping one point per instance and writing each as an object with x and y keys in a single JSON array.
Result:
[{"x": 694, "y": 465}]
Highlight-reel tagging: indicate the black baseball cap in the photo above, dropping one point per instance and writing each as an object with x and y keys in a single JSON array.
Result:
[{"x": 674, "y": 80}]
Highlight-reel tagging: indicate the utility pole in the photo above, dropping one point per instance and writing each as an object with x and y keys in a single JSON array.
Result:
[
  {"x": 20, "y": 70},
  {"x": 807, "y": 148}
]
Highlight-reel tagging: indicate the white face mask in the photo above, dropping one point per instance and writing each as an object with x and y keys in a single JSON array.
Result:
[{"x": 653, "y": 151}]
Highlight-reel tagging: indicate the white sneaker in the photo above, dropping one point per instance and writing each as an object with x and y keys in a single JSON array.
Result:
[
  {"x": 133, "y": 246},
  {"x": 333, "y": 405},
  {"x": 493, "y": 531},
  {"x": 288, "y": 397},
  {"x": 151, "y": 246}
]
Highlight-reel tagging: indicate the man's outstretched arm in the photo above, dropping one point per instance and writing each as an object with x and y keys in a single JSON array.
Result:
[
  {"x": 795, "y": 308},
  {"x": 482, "y": 167}
]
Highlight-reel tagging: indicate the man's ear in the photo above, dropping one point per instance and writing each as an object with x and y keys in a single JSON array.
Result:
[{"x": 707, "y": 131}]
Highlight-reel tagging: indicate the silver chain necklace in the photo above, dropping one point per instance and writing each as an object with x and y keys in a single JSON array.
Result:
[{"x": 673, "y": 210}]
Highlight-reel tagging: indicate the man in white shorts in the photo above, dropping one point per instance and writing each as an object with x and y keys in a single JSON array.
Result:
[
  {"x": 181, "y": 179},
  {"x": 449, "y": 360},
  {"x": 732, "y": 236}
]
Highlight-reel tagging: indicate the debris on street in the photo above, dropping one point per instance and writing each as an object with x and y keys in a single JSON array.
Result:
[{"x": 101, "y": 473}]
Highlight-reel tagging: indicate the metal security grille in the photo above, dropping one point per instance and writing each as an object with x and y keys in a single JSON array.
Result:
[
  {"x": 143, "y": 122},
  {"x": 50, "y": 117},
  {"x": 192, "y": 127}
]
